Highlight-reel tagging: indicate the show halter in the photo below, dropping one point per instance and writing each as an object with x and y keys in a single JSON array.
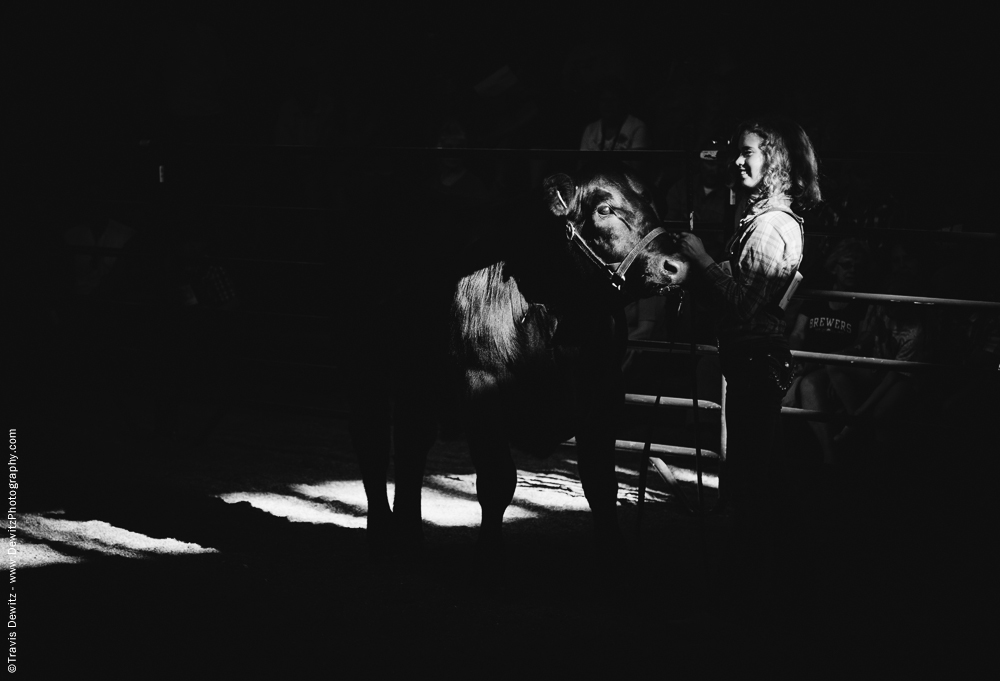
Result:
[{"x": 616, "y": 275}]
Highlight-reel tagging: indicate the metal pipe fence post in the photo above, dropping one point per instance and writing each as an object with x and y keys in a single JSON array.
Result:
[
  {"x": 694, "y": 405},
  {"x": 722, "y": 427},
  {"x": 722, "y": 444}
]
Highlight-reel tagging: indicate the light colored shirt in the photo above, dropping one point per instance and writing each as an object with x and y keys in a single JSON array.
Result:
[{"x": 765, "y": 252}]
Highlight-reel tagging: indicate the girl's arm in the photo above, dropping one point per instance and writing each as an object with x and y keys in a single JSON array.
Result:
[{"x": 764, "y": 267}]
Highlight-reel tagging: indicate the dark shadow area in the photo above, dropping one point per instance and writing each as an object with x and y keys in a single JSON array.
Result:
[
  {"x": 312, "y": 585},
  {"x": 199, "y": 216},
  {"x": 856, "y": 571}
]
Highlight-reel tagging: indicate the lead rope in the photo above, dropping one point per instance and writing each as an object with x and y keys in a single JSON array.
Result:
[{"x": 644, "y": 460}]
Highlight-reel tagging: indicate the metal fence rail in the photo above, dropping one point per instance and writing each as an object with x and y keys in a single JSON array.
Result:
[
  {"x": 656, "y": 452},
  {"x": 887, "y": 298}
]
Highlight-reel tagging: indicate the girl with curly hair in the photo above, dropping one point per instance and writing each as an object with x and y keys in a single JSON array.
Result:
[{"x": 775, "y": 169}]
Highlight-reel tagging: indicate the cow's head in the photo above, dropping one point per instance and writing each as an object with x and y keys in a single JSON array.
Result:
[{"x": 612, "y": 211}]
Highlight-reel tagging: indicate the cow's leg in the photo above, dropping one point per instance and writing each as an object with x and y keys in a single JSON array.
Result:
[
  {"x": 414, "y": 433},
  {"x": 371, "y": 379},
  {"x": 496, "y": 475},
  {"x": 370, "y": 429},
  {"x": 496, "y": 480},
  {"x": 601, "y": 402},
  {"x": 595, "y": 445}
]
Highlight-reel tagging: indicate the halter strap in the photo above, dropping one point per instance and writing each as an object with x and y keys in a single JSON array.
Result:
[
  {"x": 616, "y": 275},
  {"x": 634, "y": 253}
]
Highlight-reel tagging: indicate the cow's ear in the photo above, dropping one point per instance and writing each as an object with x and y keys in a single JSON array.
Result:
[{"x": 559, "y": 193}]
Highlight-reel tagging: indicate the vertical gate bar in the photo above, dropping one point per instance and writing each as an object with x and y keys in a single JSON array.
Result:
[
  {"x": 694, "y": 405},
  {"x": 643, "y": 475},
  {"x": 722, "y": 429}
]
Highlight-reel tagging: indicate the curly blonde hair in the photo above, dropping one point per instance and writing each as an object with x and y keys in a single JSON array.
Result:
[{"x": 790, "y": 165}]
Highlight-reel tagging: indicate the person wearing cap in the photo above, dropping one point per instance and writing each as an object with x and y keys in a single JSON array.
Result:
[
  {"x": 706, "y": 195},
  {"x": 775, "y": 167}
]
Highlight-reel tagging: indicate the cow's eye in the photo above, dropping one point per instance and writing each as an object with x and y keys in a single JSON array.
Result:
[{"x": 604, "y": 209}]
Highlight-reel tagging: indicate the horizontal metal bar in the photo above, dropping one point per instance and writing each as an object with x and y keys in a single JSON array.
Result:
[
  {"x": 623, "y": 446},
  {"x": 204, "y": 310},
  {"x": 155, "y": 144},
  {"x": 813, "y": 415},
  {"x": 673, "y": 348},
  {"x": 435, "y": 152},
  {"x": 421, "y": 152},
  {"x": 703, "y": 227},
  {"x": 985, "y": 238},
  {"x": 655, "y": 450},
  {"x": 825, "y": 358},
  {"x": 669, "y": 402},
  {"x": 179, "y": 201},
  {"x": 889, "y": 298},
  {"x": 825, "y": 416},
  {"x": 676, "y": 474},
  {"x": 159, "y": 253},
  {"x": 854, "y": 360}
]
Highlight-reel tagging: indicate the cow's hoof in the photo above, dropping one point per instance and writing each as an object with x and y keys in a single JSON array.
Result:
[
  {"x": 380, "y": 536},
  {"x": 490, "y": 553},
  {"x": 610, "y": 554},
  {"x": 409, "y": 540},
  {"x": 608, "y": 536},
  {"x": 490, "y": 560}
]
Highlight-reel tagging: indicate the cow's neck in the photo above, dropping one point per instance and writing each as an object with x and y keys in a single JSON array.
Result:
[{"x": 564, "y": 281}]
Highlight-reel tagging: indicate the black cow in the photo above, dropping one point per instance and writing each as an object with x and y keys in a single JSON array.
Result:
[{"x": 531, "y": 346}]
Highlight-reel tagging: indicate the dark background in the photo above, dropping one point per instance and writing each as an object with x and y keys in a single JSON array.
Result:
[
  {"x": 905, "y": 94},
  {"x": 896, "y": 104},
  {"x": 909, "y": 89},
  {"x": 907, "y": 79}
]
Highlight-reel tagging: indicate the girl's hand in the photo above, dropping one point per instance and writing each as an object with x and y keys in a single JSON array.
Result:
[{"x": 692, "y": 247}]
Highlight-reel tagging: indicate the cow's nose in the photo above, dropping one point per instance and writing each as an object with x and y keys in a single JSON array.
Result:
[{"x": 674, "y": 269}]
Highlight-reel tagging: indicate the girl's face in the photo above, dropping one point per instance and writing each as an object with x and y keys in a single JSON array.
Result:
[{"x": 750, "y": 161}]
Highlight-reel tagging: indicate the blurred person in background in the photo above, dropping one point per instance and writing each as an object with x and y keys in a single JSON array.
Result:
[{"x": 828, "y": 326}]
